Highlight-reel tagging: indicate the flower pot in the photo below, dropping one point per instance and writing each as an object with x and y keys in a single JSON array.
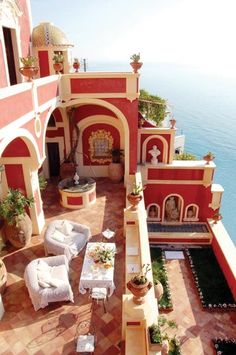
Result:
[
  {"x": 58, "y": 67},
  {"x": 116, "y": 172},
  {"x": 29, "y": 72},
  {"x": 134, "y": 200},
  {"x": 76, "y": 66},
  {"x": 158, "y": 290},
  {"x": 136, "y": 66},
  {"x": 153, "y": 346},
  {"x": 139, "y": 291},
  {"x": 217, "y": 218},
  {"x": 19, "y": 235},
  {"x": 208, "y": 158},
  {"x": 3, "y": 276}
]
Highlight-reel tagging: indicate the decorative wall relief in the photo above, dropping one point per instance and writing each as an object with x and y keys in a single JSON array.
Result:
[{"x": 100, "y": 145}]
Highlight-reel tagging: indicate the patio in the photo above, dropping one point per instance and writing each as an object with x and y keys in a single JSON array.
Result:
[{"x": 52, "y": 330}]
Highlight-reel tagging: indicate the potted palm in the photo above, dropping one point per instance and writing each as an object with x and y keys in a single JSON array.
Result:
[
  {"x": 58, "y": 60},
  {"x": 136, "y": 64},
  {"x": 139, "y": 284},
  {"x": 76, "y": 64},
  {"x": 135, "y": 197},
  {"x": 29, "y": 68},
  {"x": 115, "y": 168},
  {"x": 18, "y": 225}
]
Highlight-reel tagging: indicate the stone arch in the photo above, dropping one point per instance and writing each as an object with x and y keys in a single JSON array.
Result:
[
  {"x": 165, "y": 147},
  {"x": 193, "y": 207},
  {"x": 157, "y": 212},
  {"x": 119, "y": 115},
  {"x": 179, "y": 204}
]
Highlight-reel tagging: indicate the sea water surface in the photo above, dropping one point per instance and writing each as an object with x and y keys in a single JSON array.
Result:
[{"x": 204, "y": 106}]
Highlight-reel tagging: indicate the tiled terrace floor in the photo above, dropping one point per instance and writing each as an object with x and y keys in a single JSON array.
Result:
[
  {"x": 51, "y": 331},
  {"x": 196, "y": 327}
]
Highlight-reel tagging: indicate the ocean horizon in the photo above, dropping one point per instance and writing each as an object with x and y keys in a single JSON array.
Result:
[{"x": 204, "y": 105}]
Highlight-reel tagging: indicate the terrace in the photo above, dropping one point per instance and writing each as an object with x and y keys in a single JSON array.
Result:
[{"x": 52, "y": 330}]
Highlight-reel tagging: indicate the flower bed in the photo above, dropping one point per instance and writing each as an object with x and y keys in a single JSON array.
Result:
[
  {"x": 225, "y": 346},
  {"x": 212, "y": 287},
  {"x": 160, "y": 273}
]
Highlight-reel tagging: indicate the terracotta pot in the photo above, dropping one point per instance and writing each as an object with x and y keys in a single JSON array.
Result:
[
  {"x": 134, "y": 200},
  {"x": 217, "y": 218},
  {"x": 3, "y": 276},
  {"x": 139, "y": 291},
  {"x": 165, "y": 347},
  {"x": 58, "y": 67},
  {"x": 76, "y": 66},
  {"x": 29, "y": 72},
  {"x": 158, "y": 289},
  {"x": 136, "y": 66},
  {"x": 67, "y": 170},
  {"x": 20, "y": 235},
  {"x": 116, "y": 172},
  {"x": 208, "y": 158}
]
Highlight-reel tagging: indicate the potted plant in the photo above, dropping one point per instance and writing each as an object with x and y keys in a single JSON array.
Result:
[
  {"x": 135, "y": 197},
  {"x": 217, "y": 217},
  {"x": 76, "y": 64},
  {"x": 29, "y": 68},
  {"x": 18, "y": 226},
  {"x": 115, "y": 168},
  {"x": 139, "y": 284},
  {"x": 209, "y": 157},
  {"x": 172, "y": 123},
  {"x": 136, "y": 64},
  {"x": 158, "y": 337},
  {"x": 58, "y": 59}
]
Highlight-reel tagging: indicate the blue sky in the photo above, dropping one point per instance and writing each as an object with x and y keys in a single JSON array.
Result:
[{"x": 199, "y": 33}]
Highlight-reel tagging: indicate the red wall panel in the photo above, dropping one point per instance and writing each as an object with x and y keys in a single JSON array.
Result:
[
  {"x": 17, "y": 148},
  {"x": 175, "y": 174},
  {"x": 97, "y": 85},
  {"x": 91, "y": 110},
  {"x": 15, "y": 177},
  {"x": 85, "y": 138},
  {"x": 47, "y": 92},
  {"x": 55, "y": 133},
  {"x": 43, "y": 63},
  {"x": 191, "y": 194},
  {"x": 15, "y": 106},
  {"x": 75, "y": 200}
]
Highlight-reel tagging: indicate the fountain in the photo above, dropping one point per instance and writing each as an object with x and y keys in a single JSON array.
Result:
[{"x": 77, "y": 192}]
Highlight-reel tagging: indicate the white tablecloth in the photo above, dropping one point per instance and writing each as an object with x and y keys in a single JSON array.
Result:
[{"x": 93, "y": 276}]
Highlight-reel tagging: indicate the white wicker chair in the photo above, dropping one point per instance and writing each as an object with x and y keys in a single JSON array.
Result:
[
  {"x": 78, "y": 239},
  {"x": 41, "y": 297}
]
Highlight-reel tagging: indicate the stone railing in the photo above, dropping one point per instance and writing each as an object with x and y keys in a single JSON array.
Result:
[{"x": 137, "y": 318}]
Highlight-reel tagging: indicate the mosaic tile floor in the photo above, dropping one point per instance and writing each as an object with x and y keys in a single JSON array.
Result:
[{"x": 51, "y": 331}]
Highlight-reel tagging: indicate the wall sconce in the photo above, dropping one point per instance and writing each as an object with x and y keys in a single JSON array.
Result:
[{"x": 2, "y": 168}]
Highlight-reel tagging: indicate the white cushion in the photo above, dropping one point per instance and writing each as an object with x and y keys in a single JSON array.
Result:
[
  {"x": 56, "y": 282},
  {"x": 65, "y": 227},
  {"x": 44, "y": 278},
  {"x": 43, "y": 266},
  {"x": 58, "y": 236},
  {"x": 60, "y": 273},
  {"x": 44, "y": 284}
]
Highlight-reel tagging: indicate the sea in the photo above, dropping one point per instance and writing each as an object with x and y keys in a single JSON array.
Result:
[{"x": 204, "y": 105}]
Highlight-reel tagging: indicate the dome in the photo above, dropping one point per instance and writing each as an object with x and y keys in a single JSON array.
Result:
[{"x": 48, "y": 35}]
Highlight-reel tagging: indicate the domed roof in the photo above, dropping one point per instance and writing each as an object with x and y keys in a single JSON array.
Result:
[{"x": 46, "y": 34}]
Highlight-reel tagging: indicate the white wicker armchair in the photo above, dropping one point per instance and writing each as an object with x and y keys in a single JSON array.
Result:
[
  {"x": 40, "y": 296},
  {"x": 71, "y": 245}
]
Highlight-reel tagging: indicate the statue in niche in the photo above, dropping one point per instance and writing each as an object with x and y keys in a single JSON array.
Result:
[
  {"x": 153, "y": 212},
  {"x": 191, "y": 214},
  {"x": 172, "y": 212},
  {"x": 155, "y": 152}
]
